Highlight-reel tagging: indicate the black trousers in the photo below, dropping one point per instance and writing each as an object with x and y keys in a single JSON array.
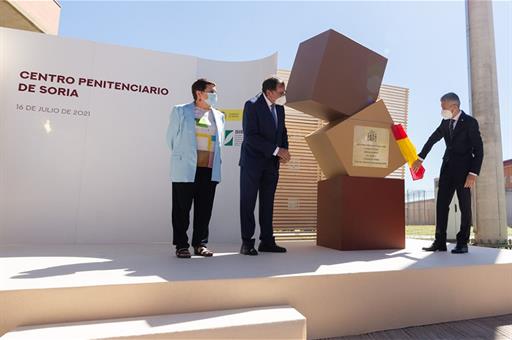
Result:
[
  {"x": 254, "y": 182},
  {"x": 451, "y": 181},
  {"x": 201, "y": 192}
]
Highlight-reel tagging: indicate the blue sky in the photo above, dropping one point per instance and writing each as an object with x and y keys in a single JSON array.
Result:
[{"x": 425, "y": 43}]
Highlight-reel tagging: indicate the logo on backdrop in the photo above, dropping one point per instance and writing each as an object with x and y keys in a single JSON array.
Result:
[
  {"x": 233, "y": 137},
  {"x": 233, "y": 115}
]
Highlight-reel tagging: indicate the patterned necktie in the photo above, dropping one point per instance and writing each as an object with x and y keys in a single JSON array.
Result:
[
  {"x": 452, "y": 127},
  {"x": 274, "y": 114}
]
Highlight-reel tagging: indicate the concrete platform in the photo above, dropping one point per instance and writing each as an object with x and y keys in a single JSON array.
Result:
[
  {"x": 280, "y": 322},
  {"x": 339, "y": 292}
]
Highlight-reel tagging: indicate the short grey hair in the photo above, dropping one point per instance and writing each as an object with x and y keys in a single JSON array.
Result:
[{"x": 451, "y": 97}]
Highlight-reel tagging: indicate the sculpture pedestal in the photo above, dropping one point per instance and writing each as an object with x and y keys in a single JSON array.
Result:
[{"x": 361, "y": 213}]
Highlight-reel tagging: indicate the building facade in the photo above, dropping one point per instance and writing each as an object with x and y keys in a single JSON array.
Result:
[{"x": 36, "y": 16}]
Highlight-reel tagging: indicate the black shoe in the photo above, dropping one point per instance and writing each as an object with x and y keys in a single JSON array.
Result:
[
  {"x": 248, "y": 250},
  {"x": 435, "y": 247},
  {"x": 271, "y": 248},
  {"x": 462, "y": 249}
]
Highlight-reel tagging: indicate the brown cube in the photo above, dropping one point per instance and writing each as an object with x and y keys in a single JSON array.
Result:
[
  {"x": 359, "y": 213},
  {"x": 334, "y": 76},
  {"x": 361, "y": 145}
]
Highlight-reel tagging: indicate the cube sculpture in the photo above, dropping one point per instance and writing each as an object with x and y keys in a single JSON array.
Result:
[
  {"x": 359, "y": 213},
  {"x": 333, "y": 76},
  {"x": 338, "y": 80},
  {"x": 361, "y": 145}
]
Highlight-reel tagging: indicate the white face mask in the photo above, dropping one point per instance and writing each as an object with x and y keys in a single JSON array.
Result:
[
  {"x": 212, "y": 99},
  {"x": 281, "y": 100},
  {"x": 447, "y": 114}
]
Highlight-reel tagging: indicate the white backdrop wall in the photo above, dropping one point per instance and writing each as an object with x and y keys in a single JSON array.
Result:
[{"x": 103, "y": 177}]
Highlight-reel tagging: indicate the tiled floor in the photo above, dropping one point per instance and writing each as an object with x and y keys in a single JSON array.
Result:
[{"x": 487, "y": 328}]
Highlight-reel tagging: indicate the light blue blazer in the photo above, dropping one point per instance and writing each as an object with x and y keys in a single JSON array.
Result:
[{"x": 181, "y": 139}]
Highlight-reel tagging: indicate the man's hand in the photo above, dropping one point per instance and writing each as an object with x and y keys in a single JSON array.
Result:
[
  {"x": 284, "y": 155},
  {"x": 416, "y": 165},
  {"x": 470, "y": 181}
]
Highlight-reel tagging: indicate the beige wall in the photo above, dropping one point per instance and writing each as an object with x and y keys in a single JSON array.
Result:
[{"x": 37, "y": 16}]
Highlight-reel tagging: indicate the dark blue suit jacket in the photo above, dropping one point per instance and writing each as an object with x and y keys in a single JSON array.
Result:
[
  {"x": 464, "y": 150},
  {"x": 261, "y": 137}
]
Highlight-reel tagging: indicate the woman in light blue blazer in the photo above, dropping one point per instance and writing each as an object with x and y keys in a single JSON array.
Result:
[{"x": 194, "y": 136}]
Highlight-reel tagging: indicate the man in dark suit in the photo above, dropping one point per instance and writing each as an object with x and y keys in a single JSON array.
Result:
[
  {"x": 461, "y": 165},
  {"x": 265, "y": 145}
]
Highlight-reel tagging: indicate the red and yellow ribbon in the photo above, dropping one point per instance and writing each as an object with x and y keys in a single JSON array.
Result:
[{"x": 407, "y": 149}]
